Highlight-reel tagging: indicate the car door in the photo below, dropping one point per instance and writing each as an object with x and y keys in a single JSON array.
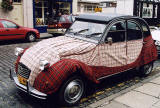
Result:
[
  {"x": 10, "y": 31},
  {"x": 113, "y": 51},
  {"x": 134, "y": 41}
]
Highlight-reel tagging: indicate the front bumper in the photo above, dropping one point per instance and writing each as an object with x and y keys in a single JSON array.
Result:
[
  {"x": 28, "y": 89},
  {"x": 58, "y": 31}
]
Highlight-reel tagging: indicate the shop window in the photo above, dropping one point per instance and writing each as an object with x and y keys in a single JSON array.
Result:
[
  {"x": 17, "y": 1},
  {"x": 63, "y": 7},
  {"x": 41, "y": 10}
]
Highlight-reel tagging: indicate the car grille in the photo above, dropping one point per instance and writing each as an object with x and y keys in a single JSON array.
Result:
[{"x": 23, "y": 71}]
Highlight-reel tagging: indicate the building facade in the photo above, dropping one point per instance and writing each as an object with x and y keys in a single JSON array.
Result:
[
  {"x": 16, "y": 14},
  {"x": 84, "y": 6},
  {"x": 35, "y": 13},
  {"x": 147, "y": 9},
  {"x": 45, "y": 9}
]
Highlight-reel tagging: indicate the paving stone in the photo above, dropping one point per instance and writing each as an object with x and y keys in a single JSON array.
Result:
[
  {"x": 154, "y": 107},
  {"x": 150, "y": 89},
  {"x": 157, "y": 105},
  {"x": 137, "y": 100},
  {"x": 114, "y": 104},
  {"x": 99, "y": 103},
  {"x": 157, "y": 80}
]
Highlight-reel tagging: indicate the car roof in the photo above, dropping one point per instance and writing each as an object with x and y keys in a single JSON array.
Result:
[{"x": 102, "y": 17}]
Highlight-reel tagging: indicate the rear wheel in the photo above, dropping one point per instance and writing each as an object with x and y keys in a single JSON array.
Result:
[
  {"x": 146, "y": 69},
  {"x": 72, "y": 91},
  {"x": 31, "y": 37}
]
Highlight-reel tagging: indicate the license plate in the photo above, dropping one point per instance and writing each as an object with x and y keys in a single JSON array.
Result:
[{"x": 22, "y": 80}]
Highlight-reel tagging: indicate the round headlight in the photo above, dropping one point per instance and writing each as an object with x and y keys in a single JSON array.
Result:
[
  {"x": 43, "y": 64},
  {"x": 18, "y": 51}
]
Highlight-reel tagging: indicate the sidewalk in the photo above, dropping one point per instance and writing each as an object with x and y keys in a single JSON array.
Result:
[
  {"x": 45, "y": 35},
  {"x": 143, "y": 95}
]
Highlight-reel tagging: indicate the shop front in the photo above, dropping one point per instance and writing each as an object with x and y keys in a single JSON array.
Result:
[
  {"x": 149, "y": 10},
  {"x": 43, "y": 10}
]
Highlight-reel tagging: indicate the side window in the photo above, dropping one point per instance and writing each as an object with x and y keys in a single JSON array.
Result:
[
  {"x": 7, "y": 24},
  {"x": 133, "y": 31},
  {"x": 117, "y": 32}
]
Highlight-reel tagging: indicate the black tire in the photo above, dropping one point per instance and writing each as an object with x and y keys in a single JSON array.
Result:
[
  {"x": 31, "y": 37},
  {"x": 71, "y": 91},
  {"x": 146, "y": 69}
]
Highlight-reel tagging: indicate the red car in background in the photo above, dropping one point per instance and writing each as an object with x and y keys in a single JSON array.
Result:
[
  {"x": 10, "y": 30},
  {"x": 60, "y": 24}
]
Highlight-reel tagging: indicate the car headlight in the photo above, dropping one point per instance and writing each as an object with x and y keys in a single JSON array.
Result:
[
  {"x": 18, "y": 51},
  {"x": 43, "y": 64},
  {"x": 157, "y": 42}
]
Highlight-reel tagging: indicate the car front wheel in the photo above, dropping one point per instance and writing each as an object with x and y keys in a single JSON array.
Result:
[
  {"x": 71, "y": 91},
  {"x": 31, "y": 37}
]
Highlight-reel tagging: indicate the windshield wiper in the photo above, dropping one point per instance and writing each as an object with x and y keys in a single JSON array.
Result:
[
  {"x": 81, "y": 31},
  {"x": 93, "y": 34}
]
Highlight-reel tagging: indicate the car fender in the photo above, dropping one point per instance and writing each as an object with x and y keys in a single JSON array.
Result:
[{"x": 50, "y": 80}]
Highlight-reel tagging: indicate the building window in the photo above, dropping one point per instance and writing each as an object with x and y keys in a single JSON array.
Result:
[
  {"x": 41, "y": 10},
  {"x": 63, "y": 7},
  {"x": 89, "y": 8},
  {"x": 147, "y": 11},
  {"x": 17, "y": 1}
]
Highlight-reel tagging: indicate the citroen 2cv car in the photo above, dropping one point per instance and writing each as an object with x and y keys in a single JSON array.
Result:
[{"x": 96, "y": 46}]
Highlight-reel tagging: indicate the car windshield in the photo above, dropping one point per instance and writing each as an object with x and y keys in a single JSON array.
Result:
[{"x": 90, "y": 30}]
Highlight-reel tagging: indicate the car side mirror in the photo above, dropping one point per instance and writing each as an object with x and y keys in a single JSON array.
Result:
[{"x": 109, "y": 40}]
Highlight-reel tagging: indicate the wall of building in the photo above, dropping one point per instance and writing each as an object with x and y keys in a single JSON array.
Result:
[
  {"x": 28, "y": 13},
  {"x": 74, "y": 7},
  {"x": 16, "y": 15},
  {"x": 123, "y": 7}
]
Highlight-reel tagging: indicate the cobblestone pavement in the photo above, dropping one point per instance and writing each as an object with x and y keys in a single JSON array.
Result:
[{"x": 11, "y": 97}]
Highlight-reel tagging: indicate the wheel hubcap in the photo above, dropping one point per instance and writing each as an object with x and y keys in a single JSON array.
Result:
[
  {"x": 148, "y": 69},
  {"x": 74, "y": 91},
  {"x": 31, "y": 37}
]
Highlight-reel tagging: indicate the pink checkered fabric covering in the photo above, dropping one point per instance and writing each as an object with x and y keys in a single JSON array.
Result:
[
  {"x": 53, "y": 50},
  {"x": 50, "y": 81},
  {"x": 104, "y": 55}
]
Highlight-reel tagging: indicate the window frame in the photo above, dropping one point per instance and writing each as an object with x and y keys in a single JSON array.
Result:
[
  {"x": 109, "y": 27},
  {"x": 138, "y": 24}
]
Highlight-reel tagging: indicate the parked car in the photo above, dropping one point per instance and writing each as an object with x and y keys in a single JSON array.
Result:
[
  {"x": 96, "y": 46},
  {"x": 60, "y": 24},
  {"x": 156, "y": 37},
  {"x": 10, "y": 30}
]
